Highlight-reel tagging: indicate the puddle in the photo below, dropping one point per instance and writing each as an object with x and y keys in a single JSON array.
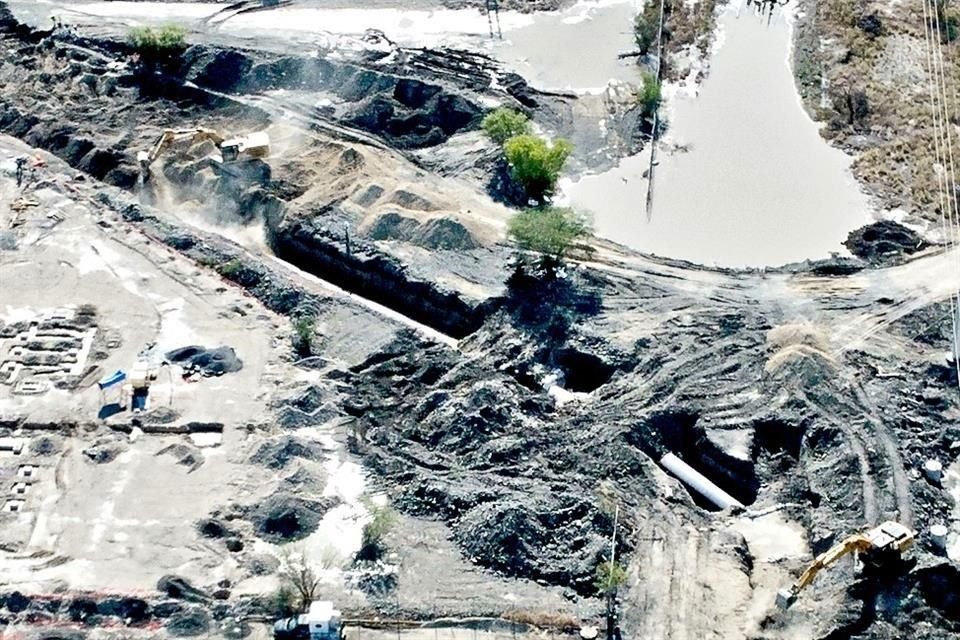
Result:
[
  {"x": 575, "y": 49},
  {"x": 415, "y": 27},
  {"x": 757, "y": 185},
  {"x": 157, "y": 10}
]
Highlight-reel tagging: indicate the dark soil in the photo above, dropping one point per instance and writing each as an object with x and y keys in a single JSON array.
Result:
[{"x": 285, "y": 518}]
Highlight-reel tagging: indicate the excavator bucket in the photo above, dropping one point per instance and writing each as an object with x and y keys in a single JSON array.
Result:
[{"x": 786, "y": 598}]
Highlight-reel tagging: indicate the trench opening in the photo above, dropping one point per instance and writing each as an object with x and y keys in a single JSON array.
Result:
[
  {"x": 583, "y": 372},
  {"x": 374, "y": 276},
  {"x": 775, "y": 436},
  {"x": 680, "y": 433}
]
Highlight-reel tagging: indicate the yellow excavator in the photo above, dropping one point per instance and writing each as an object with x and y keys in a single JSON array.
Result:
[
  {"x": 880, "y": 546},
  {"x": 255, "y": 145}
]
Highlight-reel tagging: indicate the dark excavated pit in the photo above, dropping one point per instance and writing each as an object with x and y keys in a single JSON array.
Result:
[
  {"x": 774, "y": 437},
  {"x": 583, "y": 372},
  {"x": 681, "y": 434}
]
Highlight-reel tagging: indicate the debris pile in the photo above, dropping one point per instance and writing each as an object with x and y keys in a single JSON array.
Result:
[{"x": 204, "y": 361}]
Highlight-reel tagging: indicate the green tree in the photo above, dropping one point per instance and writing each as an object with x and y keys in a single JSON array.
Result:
[
  {"x": 502, "y": 124},
  {"x": 648, "y": 96},
  {"x": 382, "y": 520},
  {"x": 535, "y": 164},
  {"x": 160, "y": 47},
  {"x": 551, "y": 232},
  {"x": 610, "y": 576}
]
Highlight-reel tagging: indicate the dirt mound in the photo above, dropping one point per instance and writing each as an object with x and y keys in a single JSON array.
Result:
[
  {"x": 435, "y": 234},
  {"x": 495, "y": 433},
  {"x": 515, "y": 539},
  {"x": 105, "y": 451},
  {"x": 180, "y": 588},
  {"x": 193, "y": 622},
  {"x": 209, "y": 362},
  {"x": 278, "y": 453},
  {"x": 884, "y": 242},
  {"x": 217, "y": 69},
  {"x": 284, "y": 517},
  {"x": 184, "y": 454}
]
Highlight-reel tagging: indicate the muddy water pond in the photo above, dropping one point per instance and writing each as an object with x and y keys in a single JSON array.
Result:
[{"x": 743, "y": 177}]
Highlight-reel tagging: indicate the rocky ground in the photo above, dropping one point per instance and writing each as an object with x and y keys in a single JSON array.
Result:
[{"x": 503, "y": 413}]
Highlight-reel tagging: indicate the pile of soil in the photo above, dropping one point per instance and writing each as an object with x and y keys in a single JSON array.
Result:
[
  {"x": 278, "y": 453},
  {"x": 884, "y": 242},
  {"x": 435, "y": 234},
  {"x": 284, "y": 517},
  {"x": 209, "y": 362}
]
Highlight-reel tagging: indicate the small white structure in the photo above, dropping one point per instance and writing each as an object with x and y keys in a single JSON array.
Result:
[
  {"x": 933, "y": 470},
  {"x": 938, "y": 535},
  {"x": 322, "y": 620}
]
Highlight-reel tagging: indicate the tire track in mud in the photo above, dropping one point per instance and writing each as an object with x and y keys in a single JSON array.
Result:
[{"x": 854, "y": 440}]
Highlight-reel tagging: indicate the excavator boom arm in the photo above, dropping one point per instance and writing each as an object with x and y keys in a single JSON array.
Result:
[{"x": 853, "y": 544}]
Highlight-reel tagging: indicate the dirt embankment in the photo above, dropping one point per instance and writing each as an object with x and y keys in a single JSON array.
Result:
[{"x": 863, "y": 69}]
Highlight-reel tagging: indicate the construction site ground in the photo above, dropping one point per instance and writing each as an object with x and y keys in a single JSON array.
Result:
[{"x": 500, "y": 416}]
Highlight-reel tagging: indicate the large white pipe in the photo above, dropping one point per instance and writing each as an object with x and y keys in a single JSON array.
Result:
[{"x": 698, "y": 482}]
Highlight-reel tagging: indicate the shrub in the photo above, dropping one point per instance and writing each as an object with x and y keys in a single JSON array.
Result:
[
  {"x": 609, "y": 577},
  {"x": 551, "y": 232},
  {"x": 158, "y": 47},
  {"x": 230, "y": 268},
  {"x": 536, "y": 165},
  {"x": 503, "y": 124},
  {"x": 646, "y": 26},
  {"x": 648, "y": 96},
  {"x": 299, "y": 583},
  {"x": 382, "y": 520},
  {"x": 305, "y": 327}
]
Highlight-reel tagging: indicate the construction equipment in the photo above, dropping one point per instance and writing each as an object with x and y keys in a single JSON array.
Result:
[
  {"x": 256, "y": 145},
  {"x": 878, "y": 547},
  {"x": 320, "y": 622}
]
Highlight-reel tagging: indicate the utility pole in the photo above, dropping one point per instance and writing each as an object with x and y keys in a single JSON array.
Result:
[
  {"x": 493, "y": 12},
  {"x": 613, "y": 624},
  {"x": 656, "y": 119}
]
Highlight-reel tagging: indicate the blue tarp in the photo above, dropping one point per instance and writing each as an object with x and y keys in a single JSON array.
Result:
[{"x": 111, "y": 380}]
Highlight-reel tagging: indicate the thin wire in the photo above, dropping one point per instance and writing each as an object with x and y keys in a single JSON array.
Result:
[
  {"x": 943, "y": 151},
  {"x": 952, "y": 211}
]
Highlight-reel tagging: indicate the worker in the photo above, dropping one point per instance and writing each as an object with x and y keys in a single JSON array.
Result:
[{"x": 21, "y": 165}]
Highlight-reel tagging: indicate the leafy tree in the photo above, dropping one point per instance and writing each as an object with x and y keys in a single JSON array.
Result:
[
  {"x": 646, "y": 26},
  {"x": 648, "y": 96},
  {"x": 535, "y": 164},
  {"x": 160, "y": 47},
  {"x": 551, "y": 232},
  {"x": 609, "y": 577},
  {"x": 382, "y": 520},
  {"x": 503, "y": 123}
]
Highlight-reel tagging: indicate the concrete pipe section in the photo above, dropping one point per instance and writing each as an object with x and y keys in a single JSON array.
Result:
[{"x": 698, "y": 482}]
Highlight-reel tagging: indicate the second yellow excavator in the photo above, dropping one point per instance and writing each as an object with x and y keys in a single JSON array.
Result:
[
  {"x": 255, "y": 145},
  {"x": 880, "y": 546}
]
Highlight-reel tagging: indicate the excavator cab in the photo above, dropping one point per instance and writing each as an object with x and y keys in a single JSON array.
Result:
[{"x": 877, "y": 548}]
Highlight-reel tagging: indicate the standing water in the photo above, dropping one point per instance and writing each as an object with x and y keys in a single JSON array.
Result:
[{"x": 754, "y": 185}]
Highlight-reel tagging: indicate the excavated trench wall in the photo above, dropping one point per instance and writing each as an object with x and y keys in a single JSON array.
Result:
[
  {"x": 679, "y": 433},
  {"x": 377, "y": 277},
  {"x": 406, "y": 112}
]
